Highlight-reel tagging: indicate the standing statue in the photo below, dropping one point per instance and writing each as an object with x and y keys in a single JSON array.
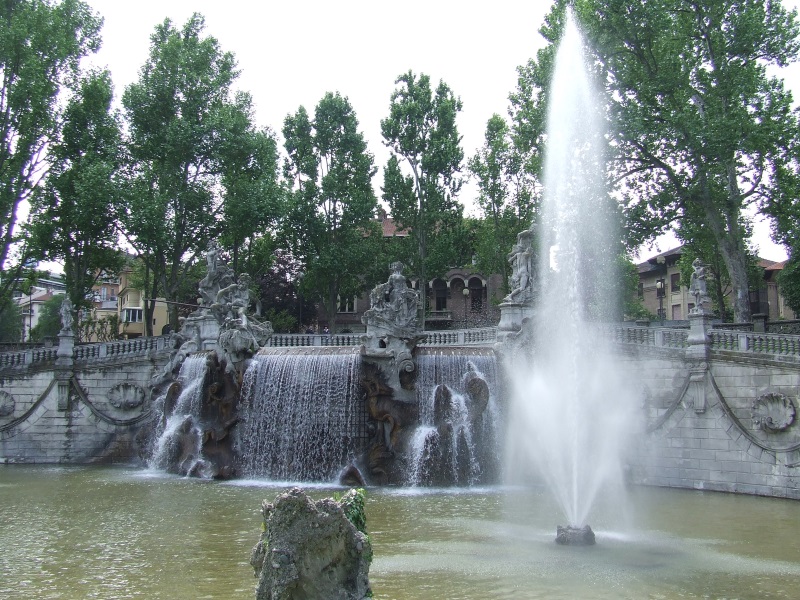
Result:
[
  {"x": 697, "y": 286},
  {"x": 66, "y": 317},
  {"x": 521, "y": 258}
]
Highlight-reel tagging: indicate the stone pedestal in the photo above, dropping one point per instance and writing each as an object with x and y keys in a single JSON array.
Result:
[
  {"x": 697, "y": 352},
  {"x": 512, "y": 317},
  {"x": 64, "y": 364}
]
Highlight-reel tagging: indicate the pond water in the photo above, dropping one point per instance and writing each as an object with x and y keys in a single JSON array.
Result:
[{"x": 78, "y": 532}]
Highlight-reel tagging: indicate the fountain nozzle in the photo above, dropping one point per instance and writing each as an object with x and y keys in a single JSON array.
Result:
[{"x": 575, "y": 536}]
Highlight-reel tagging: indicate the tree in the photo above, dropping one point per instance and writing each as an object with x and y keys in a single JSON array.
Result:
[
  {"x": 49, "y": 323},
  {"x": 187, "y": 132},
  {"x": 279, "y": 293},
  {"x": 422, "y": 135},
  {"x": 75, "y": 219},
  {"x": 253, "y": 195},
  {"x": 698, "y": 128},
  {"x": 41, "y": 43},
  {"x": 11, "y": 326},
  {"x": 506, "y": 197},
  {"x": 330, "y": 221}
]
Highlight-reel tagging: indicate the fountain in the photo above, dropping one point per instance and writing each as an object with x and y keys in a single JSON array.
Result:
[{"x": 570, "y": 413}]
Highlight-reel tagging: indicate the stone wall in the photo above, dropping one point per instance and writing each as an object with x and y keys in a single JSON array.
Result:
[
  {"x": 79, "y": 411},
  {"x": 729, "y": 426}
]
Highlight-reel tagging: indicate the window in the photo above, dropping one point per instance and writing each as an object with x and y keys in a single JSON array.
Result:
[
  {"x": 133, "y": 315},
  {"x": 676, "y": 312},
  {"x": 347, "y": 304},
  {"x": 640, "y": 290},
  {"x": 675, "y": 283}
]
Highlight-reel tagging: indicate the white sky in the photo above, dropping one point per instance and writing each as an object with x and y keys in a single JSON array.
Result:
[{"x": 291, "y": 52}]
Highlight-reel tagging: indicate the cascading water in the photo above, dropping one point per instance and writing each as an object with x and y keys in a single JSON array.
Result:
[
  {"x": 456, "y": 441},
  {"x": 571, "y": 411},
  {"x": 303, "y": 417},
  {"x": 179, "y": 438}
]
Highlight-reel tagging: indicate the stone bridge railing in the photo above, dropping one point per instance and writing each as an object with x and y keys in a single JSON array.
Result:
[
  {"x": 456, "y": 337},
  {"x": 720, "y": 340},
  {"x": 723, "y": 340},
  {"x": 116, "y": 350}
]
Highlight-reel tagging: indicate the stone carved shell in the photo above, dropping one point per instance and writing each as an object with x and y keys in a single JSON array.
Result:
[
  {"x": 7, "y": 404},
  {"x": 773, "y": 412},
  {"x": 126, "y": 396}
]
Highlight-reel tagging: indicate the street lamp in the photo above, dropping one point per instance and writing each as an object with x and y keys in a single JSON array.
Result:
[
  {"x": 465, "y": 293},
  {"x": 660, "y": 295}
]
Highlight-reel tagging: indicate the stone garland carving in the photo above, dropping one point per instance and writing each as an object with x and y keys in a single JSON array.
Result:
[
  {"x": 773, "y": 412},
  {"x": 126, "y": 396},
  {"x": 7, "y": 404}
]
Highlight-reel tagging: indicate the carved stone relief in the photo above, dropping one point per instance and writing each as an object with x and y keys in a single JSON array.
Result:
[
  {"x": 7, "y": 404},
  {"x": 126, "y": 396},
  {"x": 773, "y": 412}
]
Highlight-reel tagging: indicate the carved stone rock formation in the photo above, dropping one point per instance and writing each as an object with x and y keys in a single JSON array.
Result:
[
  {"x": 312, "y": 549},
  {"x": 390, "y": 420}
]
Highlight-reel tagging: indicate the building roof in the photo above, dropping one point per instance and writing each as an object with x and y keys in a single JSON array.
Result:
[{"x": 671, "y": 256}]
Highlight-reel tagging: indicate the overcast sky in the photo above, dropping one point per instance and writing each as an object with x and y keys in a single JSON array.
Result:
[{"x": 291, "y": 53}]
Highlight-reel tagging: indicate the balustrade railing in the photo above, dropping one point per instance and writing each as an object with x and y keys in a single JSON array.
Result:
[{"x": 726, "y": 340}]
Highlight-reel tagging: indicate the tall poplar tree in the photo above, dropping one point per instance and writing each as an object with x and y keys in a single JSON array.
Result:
[
  {"x": 506, "y": 197},
  {"x": 330, "y": 219},
  {"x": 75, "y": 220},
  {"x": 41, "y": 44},
  {"x": 421, "y": 180},
  {"x": 186, "y": 128}
]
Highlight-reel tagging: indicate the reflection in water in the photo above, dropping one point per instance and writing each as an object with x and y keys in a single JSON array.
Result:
[{"x": 110, "y": 533}]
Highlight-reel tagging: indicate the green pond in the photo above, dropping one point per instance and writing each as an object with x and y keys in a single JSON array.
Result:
[{"x": 108, "y": 533}]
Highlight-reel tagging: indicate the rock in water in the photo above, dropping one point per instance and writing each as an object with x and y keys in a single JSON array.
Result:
[{"x": 312, "y": 550}]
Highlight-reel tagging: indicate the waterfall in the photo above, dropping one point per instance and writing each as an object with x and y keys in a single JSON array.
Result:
[
  {"x": 456, "y": 442},
  {"x": 177, "y": 448},
  {"x": 303, "y": 415}
]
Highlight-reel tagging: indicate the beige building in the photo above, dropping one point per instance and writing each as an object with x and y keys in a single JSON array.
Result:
[
  {"x": 662, "y": 294},
  {"x": 130, "y": 308}
]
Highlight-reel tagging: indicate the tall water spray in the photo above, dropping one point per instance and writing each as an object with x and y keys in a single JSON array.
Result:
[{"x": 571, "y": 410}]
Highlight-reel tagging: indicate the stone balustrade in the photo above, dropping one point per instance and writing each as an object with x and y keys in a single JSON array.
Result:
[
  {"x": 119, "y": 349},
  {"x": 724, "y": 340}
]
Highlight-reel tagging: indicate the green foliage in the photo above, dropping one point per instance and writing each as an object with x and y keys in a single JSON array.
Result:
[
  {"x": 49, "y": 324},
  {"x": 41, "y": 42},
  {"x": 507, "y": 197},
  {"x": 75, "y": 220},
  {"x": 10, "y": 320},
  {"x": 105, "y": 329},
  {"x": 699, "y": 131},
  {"x": 421, "y": 179},
  {"x": 633, "y": 308},
  {"x": 789, "y": 282},
  {"x": 193, "y": 153},
  {"x": 352, "y": 503},
  {"x": 331, "y": 205}
]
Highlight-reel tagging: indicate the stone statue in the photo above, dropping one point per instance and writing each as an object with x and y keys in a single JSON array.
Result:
[
  {"x": 393, "y": 306},
  {"x": 217, "y": 277},
  {"x": 66, "y": 317},
  {"x": 697, "y": 286},
  {"x": 521, "y": 258}
]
